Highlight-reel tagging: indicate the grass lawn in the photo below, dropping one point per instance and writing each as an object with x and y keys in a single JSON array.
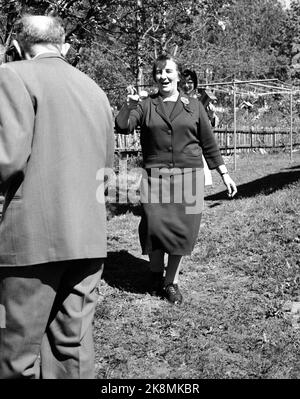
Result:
[{"x": 241, "y": 312}]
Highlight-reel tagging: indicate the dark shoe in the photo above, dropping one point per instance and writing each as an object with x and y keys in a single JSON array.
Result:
[
  {"x": 156, "y": 284},
  {"x": 172, "y": 294}
]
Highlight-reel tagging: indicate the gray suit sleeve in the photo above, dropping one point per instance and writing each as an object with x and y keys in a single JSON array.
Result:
[
  {"x": 16, "y": 124},
  {"x": 110, "y": 137}
]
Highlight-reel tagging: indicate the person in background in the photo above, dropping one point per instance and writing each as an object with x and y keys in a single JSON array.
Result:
[
  {"x": 209, "y": 101},
  {"x": 189, "y": 84},
  {"x": 175, "y": 131},
  {"x": 56, "y": 133}
]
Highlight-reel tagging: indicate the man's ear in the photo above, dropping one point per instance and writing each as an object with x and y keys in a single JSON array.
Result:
[
  {"x": 17, "y": 46},
  {"x": 64, "y": 49}
]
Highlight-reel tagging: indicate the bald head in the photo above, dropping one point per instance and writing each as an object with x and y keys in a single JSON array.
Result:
[{"x": 34, "y": 31}]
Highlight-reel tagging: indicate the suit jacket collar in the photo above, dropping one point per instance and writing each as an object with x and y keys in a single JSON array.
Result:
[
  {"x": 182, "y": 102},
  {"x": 48, "y": 55}
]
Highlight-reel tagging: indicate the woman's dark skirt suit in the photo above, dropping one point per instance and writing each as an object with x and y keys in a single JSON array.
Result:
[{"x": 173, "y": 138}]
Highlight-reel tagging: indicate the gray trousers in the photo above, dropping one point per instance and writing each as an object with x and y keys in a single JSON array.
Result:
[{"x": 46, "y": 315}]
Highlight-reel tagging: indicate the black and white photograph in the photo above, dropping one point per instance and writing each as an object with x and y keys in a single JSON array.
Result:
[{"x": 149, "y": 194}]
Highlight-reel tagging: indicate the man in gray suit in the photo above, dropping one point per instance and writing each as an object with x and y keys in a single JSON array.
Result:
[{"x": 56, "y": 134}]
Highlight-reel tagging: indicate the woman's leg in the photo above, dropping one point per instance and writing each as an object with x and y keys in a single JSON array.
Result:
[
  {"x": 173, "y": 268},
  {"x": 157, "y": 268},
  {"x": 172, "y": 292},
  {"x": 157, "y": 261}
]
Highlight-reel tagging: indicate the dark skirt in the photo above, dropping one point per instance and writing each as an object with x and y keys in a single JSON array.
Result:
[{"x": 172, "y": 201}]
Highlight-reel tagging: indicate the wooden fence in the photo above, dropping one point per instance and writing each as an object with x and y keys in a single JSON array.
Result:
[{"x": 246, "y": 140}]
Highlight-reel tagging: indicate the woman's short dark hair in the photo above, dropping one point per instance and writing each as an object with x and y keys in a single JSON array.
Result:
[
  {"x": 163, "y": 58},
  {"x": 188, "y": 73}
]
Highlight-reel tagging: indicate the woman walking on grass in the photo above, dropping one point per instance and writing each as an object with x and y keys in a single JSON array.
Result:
[{"x": 175, "y": 132}]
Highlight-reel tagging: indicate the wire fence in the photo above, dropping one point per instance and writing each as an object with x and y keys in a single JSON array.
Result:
[{"x": 247, "y": 139}]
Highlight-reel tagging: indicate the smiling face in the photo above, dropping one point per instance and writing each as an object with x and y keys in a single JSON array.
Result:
[
  {"x": 188, "y": 85},
  {"x": 167, "y": 77}
]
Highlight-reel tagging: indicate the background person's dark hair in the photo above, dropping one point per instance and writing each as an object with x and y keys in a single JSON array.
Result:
[
  {"x": 164, "y": 58},
  {"x": 192, "y": 74}
]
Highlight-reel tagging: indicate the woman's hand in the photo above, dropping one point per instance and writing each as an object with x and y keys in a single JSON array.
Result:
[
  {"x": 132, "y": 98},
  {"x": 230, "y": 184}
]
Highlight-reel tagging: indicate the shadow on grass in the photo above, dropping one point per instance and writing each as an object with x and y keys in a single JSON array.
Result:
[
  {"x": 115, "y": 209},
  {"x": 126, "y": 272},
  {"x": 266, "y": 185}
]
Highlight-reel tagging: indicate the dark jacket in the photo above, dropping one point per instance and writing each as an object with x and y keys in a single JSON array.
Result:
[{"x": 178, "y": 141}]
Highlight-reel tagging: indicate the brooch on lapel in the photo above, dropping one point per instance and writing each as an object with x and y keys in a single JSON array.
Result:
[
  {"x": 184, "y": 100},
  {"x": 186, "y": 104}
]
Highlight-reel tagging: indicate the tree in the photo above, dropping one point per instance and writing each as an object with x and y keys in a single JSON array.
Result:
[
  {"x": 116, "y": 41},
  {"x": 236, "y": 39},
  {"x": 293, "y": 34},
  {"x": 143, "y": 28}
]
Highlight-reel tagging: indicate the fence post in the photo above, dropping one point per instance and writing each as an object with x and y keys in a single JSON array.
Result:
[
  {"x": 291, "y": 126},
  {"x": 234, "y": 122}
]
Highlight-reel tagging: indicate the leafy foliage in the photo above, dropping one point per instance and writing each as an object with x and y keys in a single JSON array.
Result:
[{"x": 116, "y": 41}]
